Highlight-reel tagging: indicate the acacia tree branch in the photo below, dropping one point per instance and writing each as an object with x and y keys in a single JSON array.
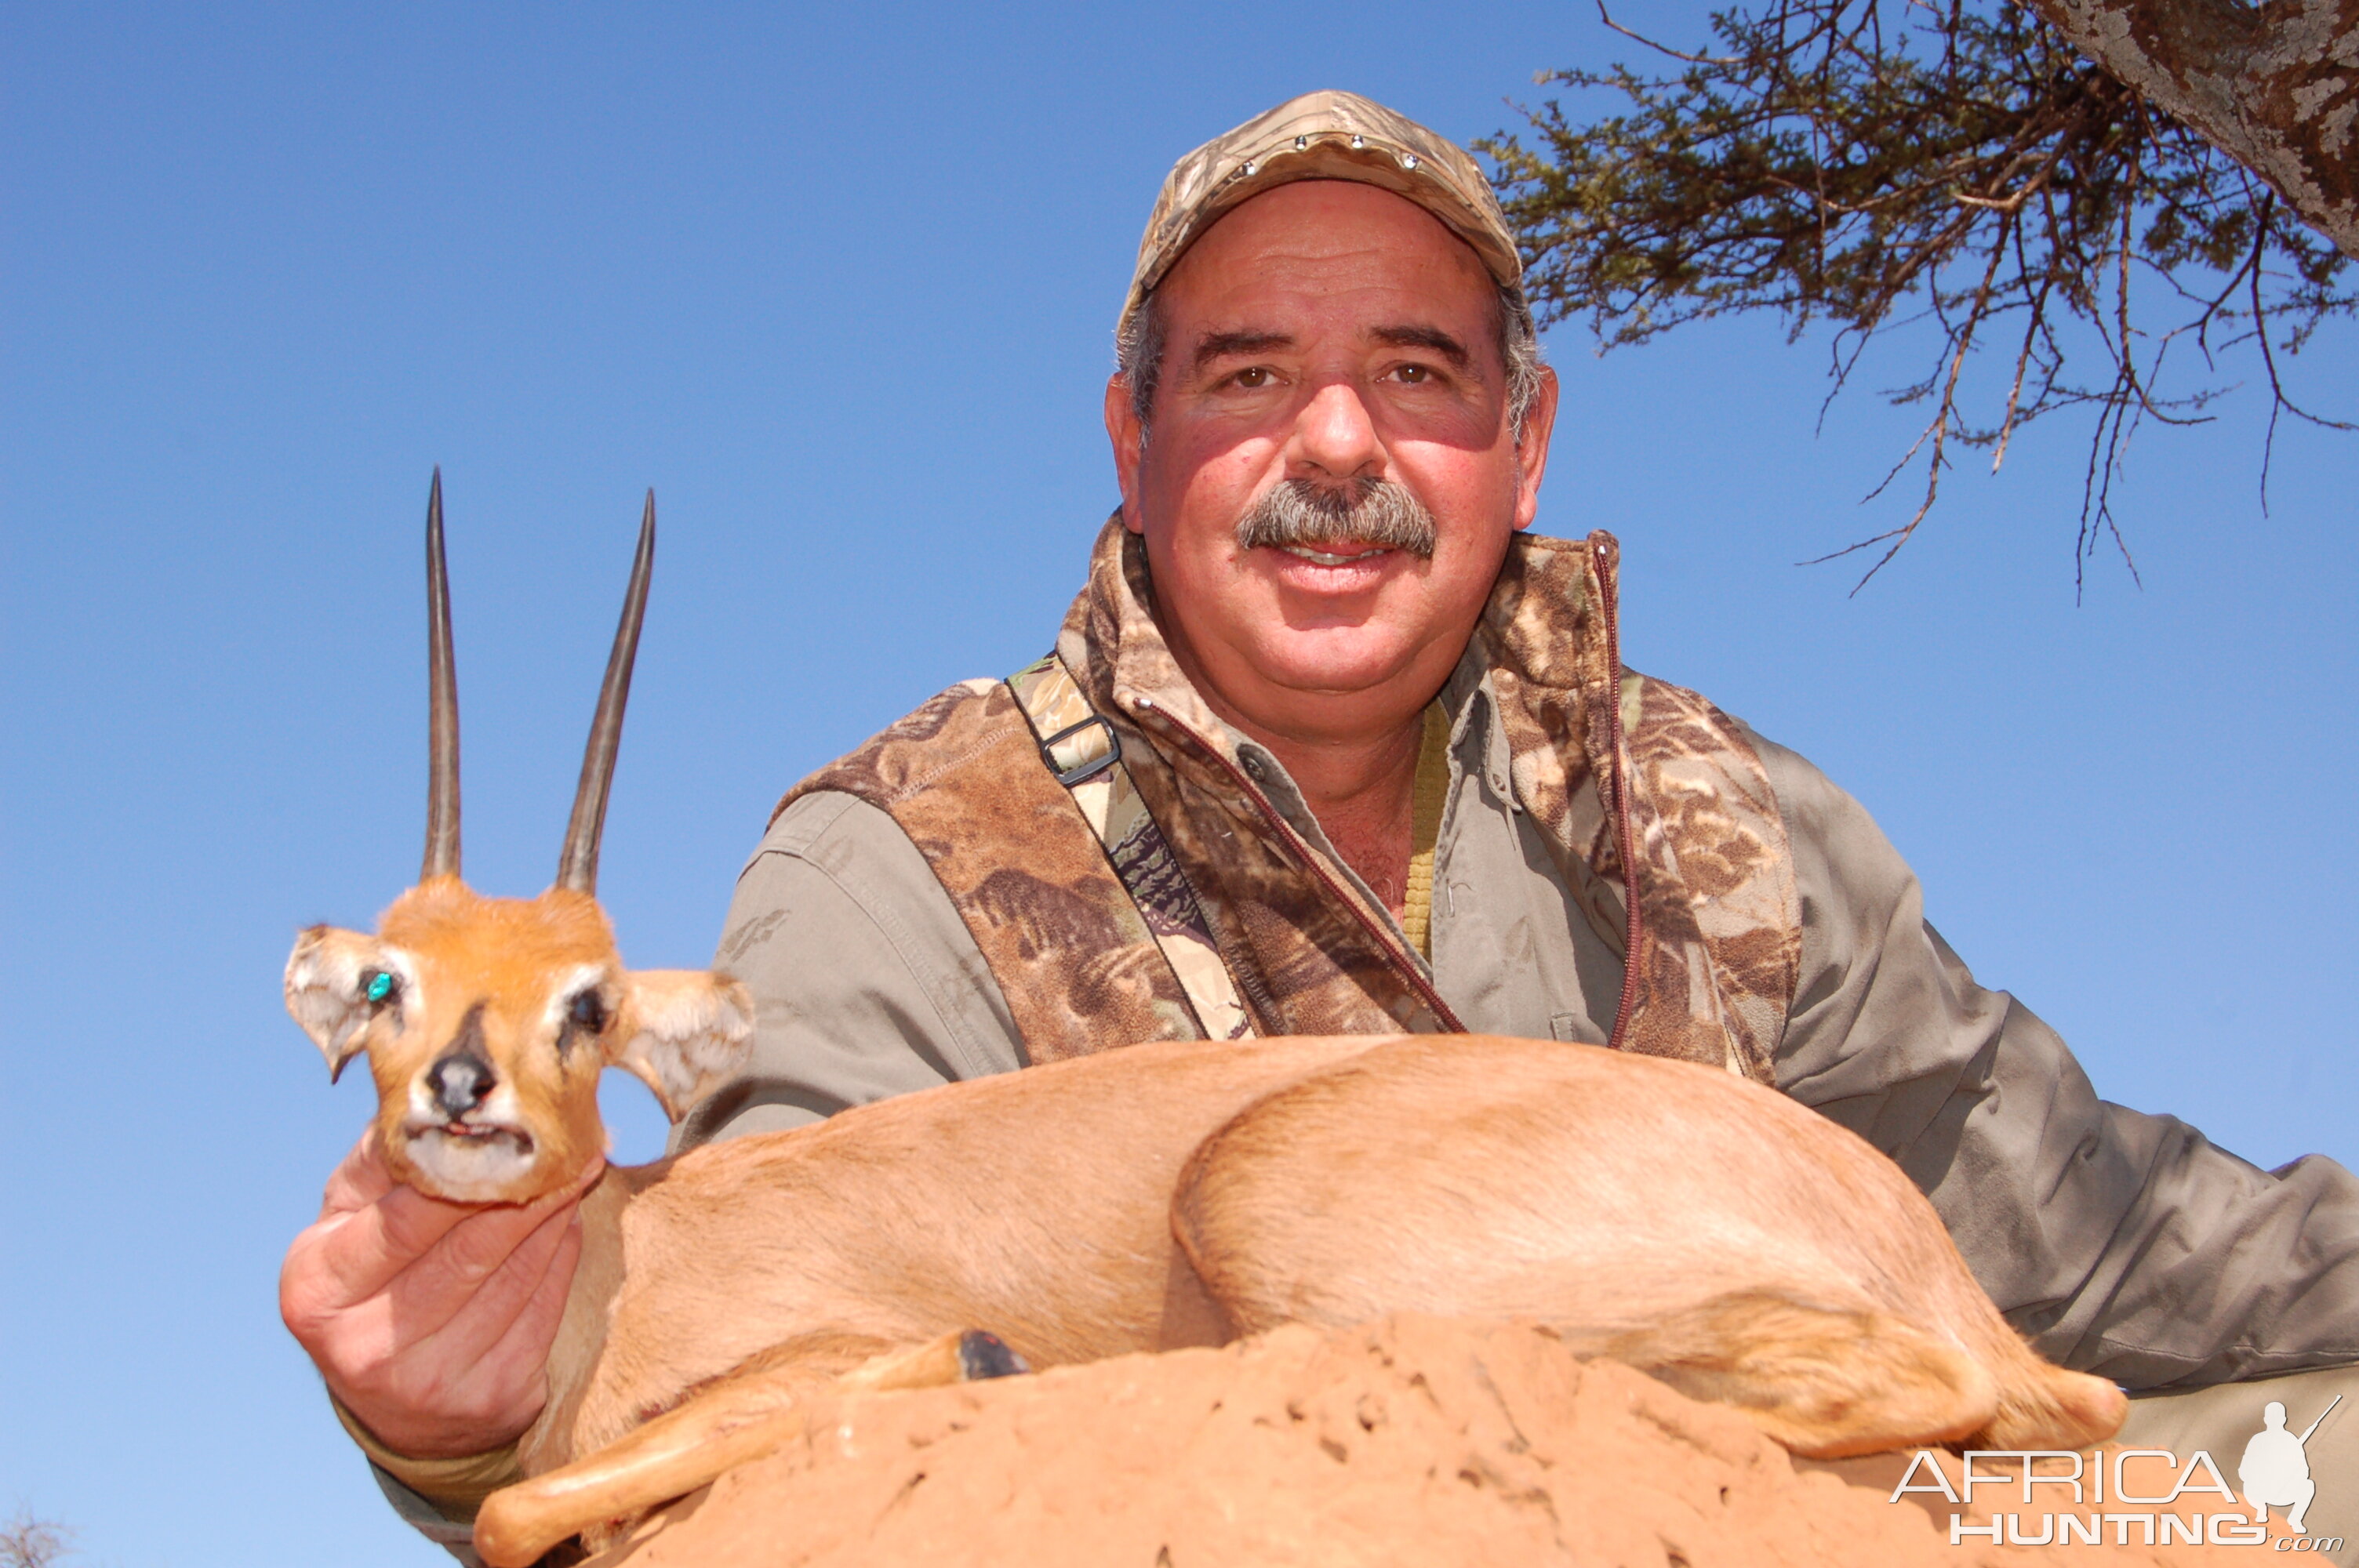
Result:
[
  {"x": 1975, "y": 163},
  {"x": 1607, "y": 17},
  {"x": 2275, "y": 86},
  {"x": 1961, "y": 342}
]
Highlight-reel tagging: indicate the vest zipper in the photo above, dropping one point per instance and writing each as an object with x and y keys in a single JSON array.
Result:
[
  {"x": 1626, "y": 835},
  {"x": 1336, "y": 889}
]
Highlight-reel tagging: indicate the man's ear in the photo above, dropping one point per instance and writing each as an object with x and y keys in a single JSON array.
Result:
[
  {"x": 689, "y": 1029},
  {"x": 1130, "y": 439},
  {"x": 327, "y": 990},
  {"x": 1532, "y": 447}
]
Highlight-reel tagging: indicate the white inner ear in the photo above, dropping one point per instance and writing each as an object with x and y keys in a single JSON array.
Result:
[
  {"x": 690, "y": 1029},
  {"x": 323, "y": 986}
]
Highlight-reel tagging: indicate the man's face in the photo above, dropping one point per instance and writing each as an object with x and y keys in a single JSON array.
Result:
[{"x": 1324, "y": 335}]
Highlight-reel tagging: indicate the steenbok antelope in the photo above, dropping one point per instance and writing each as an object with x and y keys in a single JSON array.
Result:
[{"x": 1705, "y": 1229}]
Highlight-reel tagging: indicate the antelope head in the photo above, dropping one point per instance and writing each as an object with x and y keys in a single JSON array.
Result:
[{"x": 488, "y": 1021}]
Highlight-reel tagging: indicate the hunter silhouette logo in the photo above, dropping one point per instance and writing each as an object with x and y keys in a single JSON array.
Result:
[
  {"x": 2126, "y": 1497},
  {"x": 2275, "y": 1470}
]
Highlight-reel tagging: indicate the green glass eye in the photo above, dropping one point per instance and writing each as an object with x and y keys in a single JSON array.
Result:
[{"x": 380, "y": 986}]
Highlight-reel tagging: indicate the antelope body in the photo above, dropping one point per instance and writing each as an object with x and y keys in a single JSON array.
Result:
[{"x": 1696, "y": 1225}]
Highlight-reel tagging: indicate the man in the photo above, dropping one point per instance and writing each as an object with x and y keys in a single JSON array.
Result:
[{"x": 1328, "y": 745}]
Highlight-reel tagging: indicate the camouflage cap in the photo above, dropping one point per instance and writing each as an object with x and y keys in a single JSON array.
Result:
[{"x": 1322, "y": 136}]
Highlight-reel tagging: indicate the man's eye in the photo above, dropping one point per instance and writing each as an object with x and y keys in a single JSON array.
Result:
[
  {"x": 1415, "y": 375},
  {"x": 1254, "y": 377},
  {"x": 588, "y": 1012}
]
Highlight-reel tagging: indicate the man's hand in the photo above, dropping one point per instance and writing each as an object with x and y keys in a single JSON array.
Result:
[{"x": 431, "y": 1321}]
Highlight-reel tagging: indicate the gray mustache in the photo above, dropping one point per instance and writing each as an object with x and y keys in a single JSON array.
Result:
[{"x": 1296, "y": 512}]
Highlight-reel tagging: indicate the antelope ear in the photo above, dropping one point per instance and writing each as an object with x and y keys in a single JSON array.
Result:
[
  {"x": 326, "y": 989},
  {"x": 688, "y": 1030}
]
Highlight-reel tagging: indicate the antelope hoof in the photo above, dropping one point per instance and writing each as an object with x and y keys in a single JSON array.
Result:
[{"x": 981, "y": 1355}]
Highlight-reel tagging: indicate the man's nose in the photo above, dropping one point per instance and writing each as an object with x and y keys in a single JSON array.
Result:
[
  {"x": 1334, "y": 433},
  {"x": 458, "y": 1083}
]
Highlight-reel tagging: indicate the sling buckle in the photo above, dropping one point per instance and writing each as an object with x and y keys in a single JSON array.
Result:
[{"x": 1085, "y": 771}]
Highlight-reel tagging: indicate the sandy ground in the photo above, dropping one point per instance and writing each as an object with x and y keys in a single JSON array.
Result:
[{"x": 1411, "y": 1441}]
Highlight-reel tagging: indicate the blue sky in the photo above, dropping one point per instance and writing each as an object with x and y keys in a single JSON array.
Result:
[{"x": 840, "y": 285}]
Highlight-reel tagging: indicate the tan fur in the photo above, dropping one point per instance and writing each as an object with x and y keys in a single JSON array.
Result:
[
  {"x": 499, "y": 972},
  {"x": 1714, "y": 1232},
  {"x": 1500, "y": 1178},
  {"x": 1737, "y": 1245}
]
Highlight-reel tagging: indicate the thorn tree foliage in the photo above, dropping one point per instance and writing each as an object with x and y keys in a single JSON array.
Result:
[{"x": 1867, "y": 163}]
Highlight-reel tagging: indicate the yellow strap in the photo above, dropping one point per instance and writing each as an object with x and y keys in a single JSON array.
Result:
[
  {"x": 1053, "y": 703},
  {"x": 1432, "y": 788}
]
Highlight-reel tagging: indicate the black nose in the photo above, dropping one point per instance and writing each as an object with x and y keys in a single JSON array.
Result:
[{"x": 459, "y": 1082}]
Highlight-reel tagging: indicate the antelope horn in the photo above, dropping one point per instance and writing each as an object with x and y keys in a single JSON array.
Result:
[
  {"x": 443, "y": 713},
  {"x": 578, "y": 867}
]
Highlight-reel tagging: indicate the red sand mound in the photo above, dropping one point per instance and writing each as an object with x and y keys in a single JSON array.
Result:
[{"x": 1415, "y": 1440}]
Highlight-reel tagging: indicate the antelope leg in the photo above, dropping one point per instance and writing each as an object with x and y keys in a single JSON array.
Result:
[
  {"x": 965, "y": 1358},
  {"x": 1825, "y": 1382},
  {"x": 738, "y": 1418}
]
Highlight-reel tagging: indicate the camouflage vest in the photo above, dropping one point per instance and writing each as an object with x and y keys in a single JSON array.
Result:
[{"x": 1089, "y": 936}]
